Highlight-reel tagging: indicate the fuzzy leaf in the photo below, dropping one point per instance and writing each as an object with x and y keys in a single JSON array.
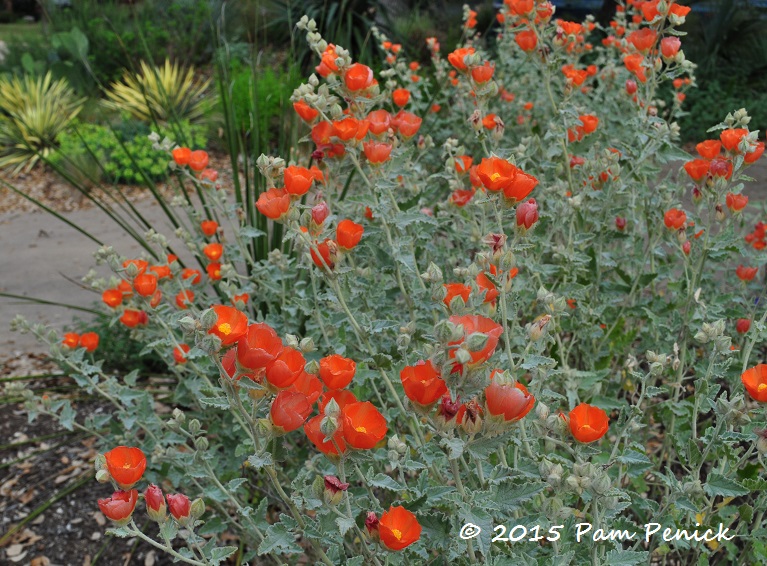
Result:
[{"x": 717, "y": 484}]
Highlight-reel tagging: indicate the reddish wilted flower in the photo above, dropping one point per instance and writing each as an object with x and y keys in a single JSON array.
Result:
[
  {"x": 461, "y": 197},
  {"x": 317, "y": 437},
  {"x": 198, "y": 160},
  {"x": 230, "y": 325},
  {"x": 126, "y": 465},
  {"x": 336, "y": 372},
  {"x": 456, "y": 58},
  {"x": 180, "y": 507},
  {"x": 348, "y": 234},
  {"x": 406, "y": 123},
  {"x": 304, "y": 111},
  {"x": 483, "y": 73},
  {"x": 697, "y": 169},
  {"x": 735, "y": 202},
  {"x": 89, "y": 341},
  {"x": 145, "y": 284},
  {"x": 274, "y": 203},
  {"x": 181, "y": 155},
  {"x": 377, "y": 152},
  {"x": 512, "y": 402},
  {"x": 112, "y": 297},
  {"x": 132, "y": 318},
  {"x": 743, "y": 325},
  {"x": 324, "y": 254},
  {"x": 620, "y": 223},
  {"x": 71, "y": 340},
  {"x": 721, "y": 167},
  {"x": 342, "y": 397},
  {"x": 358, "y": 77},
  {"x": 631, "y": 86},
  {"x": 496, "y": 173},
  {"x": 334, "y": 490},
  {"x": 213, "y": 251},
  {"x": 453, "y": 290},
  {"x": 732, "y": 137},
  {"x": 363, "y": 425},
  {"x": 422, "y": 383},
  {"x": 588, "y": 423},
  {"x": 284, "y": 369},
  {"x": 289, "y": 411},
  {"x": 258, "y": 346},
  {"x": 298, "y": 180},
  {"x": 527, "y": 40},
  {"x": 180, "y": 352},
  {"x": 527, "y": 214},
  {"x": 398, "y": 528},
  {"x": 746, "y": 273},
  {"x": 119, "y": 508},
  {"x": 380, "y": 121},
  {"x": 755, "y": 382},
  {"x": 674, "y": 219},
  {"x": 400, "y": 97}
]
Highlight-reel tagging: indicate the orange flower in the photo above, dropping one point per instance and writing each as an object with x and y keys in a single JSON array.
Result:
[
  {"x": 193, "y": 274},
  {"x": 230, "y": 325},
  {"x": 89, "y": 341},
  {"x": 285, "y": 368},
  {"x": 181, "y": 155},
  {"x": 377, "y": 152},
  {"x": 731, "y": 138},
  {"x": 274, "y": 203},
  {"x": 527, "y": 40},
  {"x": 482, "y": 325},
  {"x": 363, "y": 425},
  {"x": 214, "y": 271},
  {"x": 213, "y": 251},
  {"x": 463, "y": 163},
  {"x": 309, "y": 385},
  {"x": 180, "y": 352},
  {"x": 398, "y": 528},
  {"x": 634, "y": 64},
  {"x": 112, "y": 297},
  {"x": 336, "y": 372},
  {"x": 317, "y": 437},
  {"x": 183, "y": 298},
  {"x": 298, "y": 180},
  {"x": 735, "y": 202},
  {"x": 126, "y": 465},
  {"x": 349, "y": 128},
  {"x": 512, "y": 402},
  {"x": 243, "y": 297},
  {"x": 342, "y": 397},
  {"x": 754, "y": 155},
  {"x": 140, "y": 264},
  {"x": 348, "y": 234},
  {"x": 456, "y": 57},
  {"x": 400, "y": 97},
  {"x": 520, "y": 187},
  {"x": 573, "y": 75},
  {"x": 358, "y": 77},
  {"x": 161, "y": 271},
  {"x": 588, "y": 423},
  {"x": 743, "y": 325},
  {"x": 755, "y": 382},
  {"x": 520, "y": 7},
  {"x": 71, "y": 340},
  {"x": 209, "y": 227},
  {"x": 289, "y": 410},
  {"x": 484, "y": 73},
  {"x": 145, "y": 284},
  {"x": 674, "y": 219},
  {"x": 643, "y": 39},
  {"x": 422, "y": 383},
  {"x": 461, "y": 197},
  {"x": 496, "y": 173},
  {"x": 490, "y": 121},
  {"x": 650, "y": 10},
  {"x": 119, "y": 508},
  {"x": 324, "y": 254},
  {"x": 669, "y": 47},
  {"x": 454, "y": 290},
  {"x": 678, "y": 10},
  {"x": 590, "y": 123},
  {"x": 328, "y": 63},
  {"x": 697, "y": 169},
  {"x": 304, "y": 111},
  {"x": 406, "y": 123},
  {"x": 379, "y": 121},
  {"x": 198, "y": 160},
  {"x": 132, "y": 318},
  {"x": 746, "y": 273},
  {"x": 259, "y": 345}
]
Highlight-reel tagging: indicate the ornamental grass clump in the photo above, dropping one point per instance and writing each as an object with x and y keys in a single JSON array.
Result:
[{"x": 565, "y": 323}]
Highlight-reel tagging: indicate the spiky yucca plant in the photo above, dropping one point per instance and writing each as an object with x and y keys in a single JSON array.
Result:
[
  {"x": 166, "y": 93},
  {"x": 33, "y": 111}
]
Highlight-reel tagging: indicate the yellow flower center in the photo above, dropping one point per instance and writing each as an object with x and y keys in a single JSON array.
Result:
[
  {"x": 225, "y": 328},
  {"x": 127, "y": 465},
  {"x": 397, "y": 533},
  {"x": 495, "y": 176},
  {"x": 762, "y": 387},
  {"x": 360, "y": 429}
]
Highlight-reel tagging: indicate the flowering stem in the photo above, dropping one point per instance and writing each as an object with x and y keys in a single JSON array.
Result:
[
  {"x": 462, "y": 492},
  {"x": 165, "y": 548}
]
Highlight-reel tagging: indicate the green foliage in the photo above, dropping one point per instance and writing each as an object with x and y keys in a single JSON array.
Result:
[
  {"x": 161, "y": 94},
  {"x": 33, "y": 112},
  {"x": 111, "y": 152}
]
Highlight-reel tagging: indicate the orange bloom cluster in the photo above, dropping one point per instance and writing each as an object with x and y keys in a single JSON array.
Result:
[
  {"x": 588, "y": 125},
  {"x": 758, "y": 238},
  {"x": 88, "y": 340},
  {"x": 497, "y": 174}
]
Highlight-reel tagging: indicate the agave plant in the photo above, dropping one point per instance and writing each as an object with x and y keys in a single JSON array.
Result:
[
  {"x": 162, "y": 94},
  {"x": 33, "y": 111}
]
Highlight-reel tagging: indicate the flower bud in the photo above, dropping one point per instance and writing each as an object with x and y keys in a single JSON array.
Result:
[
  {"x": 329, "y": 425},
  {"x": 102, "y": 476},
  {"x": 527, "y": 215},
  {"x": 178, "y": 416},
  {"x": 462, "y": 356},
  {"x": 332, "y": 409},
  {"x": 208, "y": 319},
  {"x": 537, "y": 329},
  {"x": 180, "y": 507},
  {"x": 155, "y": 504},
  {"x": 371, "y": 524},
  {"x": 476, "y": 342},
  {"x": 201, "y": 443},
  {"x": 334, "y": 490},
  {"x": 194, "y": 426},
  {"x": 100, "y": 462},
  {"x": 198, "y": 508}
]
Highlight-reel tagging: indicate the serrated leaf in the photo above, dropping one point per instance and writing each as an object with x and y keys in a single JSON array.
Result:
[
  {"x": 634, "y": 457},
  {"x": 235, "y": 483},
  {"x": 221, "y": 553},
  {"x": 625, "y": 557},
  {"x": 386, "y": 482},
  {"x": 717, "y": 484},
  {"x": 454, "y": 446},
  {"x": 280, "y": 540},
  {"x": 217, "y": 402},
  {"x": 250, "y": 232},
  {"x": 345, "y": 524},
  {"x": 532, "y": 361},
  {"x": 169, "y": 530},
  {"x": 130, "y": 378},
  {"x": 120, "y": 532},
  {"x": 258, "y": 461}
]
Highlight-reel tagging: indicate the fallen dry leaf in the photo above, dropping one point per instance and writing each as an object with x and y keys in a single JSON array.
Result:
[
  {"x": 150, "y": 558},
  {"x": 40, "y": 561}
]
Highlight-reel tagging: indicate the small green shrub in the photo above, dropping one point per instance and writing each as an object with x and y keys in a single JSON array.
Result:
[{"x": 114, "y": 150}]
